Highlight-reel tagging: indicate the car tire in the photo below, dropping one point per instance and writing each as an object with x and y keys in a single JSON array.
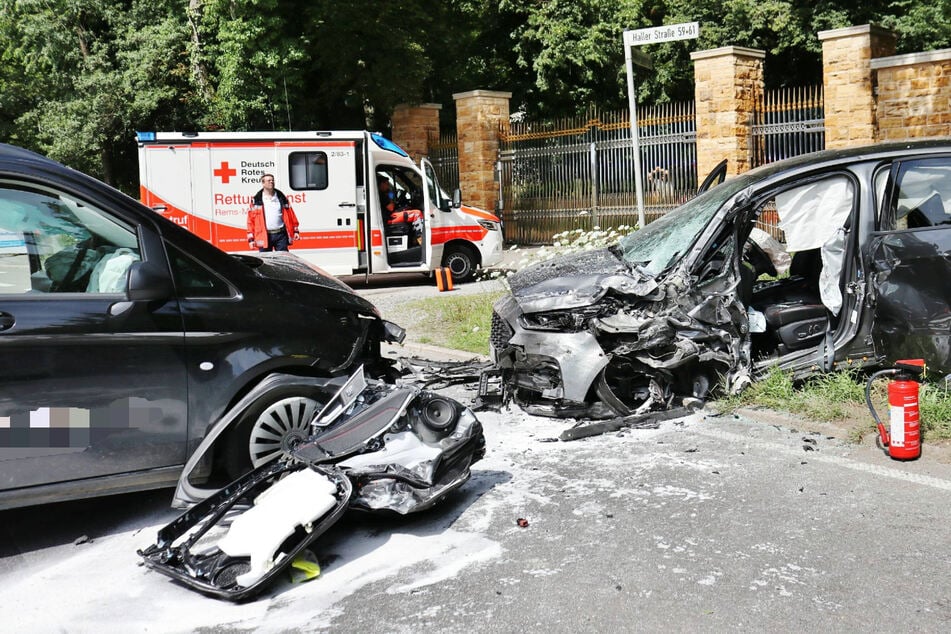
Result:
[
  {"x": 461, "y": 262},
  {"x": 268, "y": 428}
]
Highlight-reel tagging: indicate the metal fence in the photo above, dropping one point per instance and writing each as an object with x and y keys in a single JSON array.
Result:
[
  {"x": 444, "y": 155},
  {"x": 789, "y": 122},
  {"x": 579, "y": 172}
]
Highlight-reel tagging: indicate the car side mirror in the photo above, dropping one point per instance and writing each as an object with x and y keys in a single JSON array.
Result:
[
  {"x": 149, "y": 281},
  {"x": 456, "y": 198}
]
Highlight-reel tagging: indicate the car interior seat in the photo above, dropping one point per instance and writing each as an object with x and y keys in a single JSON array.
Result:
[{"x": 793, "y": 309}]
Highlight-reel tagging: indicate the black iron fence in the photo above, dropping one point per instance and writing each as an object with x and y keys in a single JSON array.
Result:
[
  {"x": 579, "y": 173},
  {"x": 789, "y": 122}
]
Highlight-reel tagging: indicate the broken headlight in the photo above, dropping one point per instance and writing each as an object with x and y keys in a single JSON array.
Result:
[{"x": 569, "y": 321}]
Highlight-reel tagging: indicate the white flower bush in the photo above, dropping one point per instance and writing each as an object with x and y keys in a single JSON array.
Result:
[{"x": 564, "y": 243}]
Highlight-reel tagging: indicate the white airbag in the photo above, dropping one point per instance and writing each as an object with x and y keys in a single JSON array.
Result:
[{"x": 811, "y": 214}]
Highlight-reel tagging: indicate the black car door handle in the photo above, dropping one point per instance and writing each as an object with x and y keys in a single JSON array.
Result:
[{"x": 6, "y": 321}]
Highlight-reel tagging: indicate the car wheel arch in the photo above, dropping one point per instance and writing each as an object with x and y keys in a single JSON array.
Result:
[{"x": 206, "y": 456}]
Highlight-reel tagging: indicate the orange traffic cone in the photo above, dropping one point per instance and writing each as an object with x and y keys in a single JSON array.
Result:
[{"x": 443, "y": 279}]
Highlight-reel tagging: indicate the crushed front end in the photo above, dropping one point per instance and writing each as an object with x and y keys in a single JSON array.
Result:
[{"x": 593, "y": 337}]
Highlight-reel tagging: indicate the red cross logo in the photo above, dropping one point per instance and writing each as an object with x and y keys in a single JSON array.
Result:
[{"x": 225, "y": 171}]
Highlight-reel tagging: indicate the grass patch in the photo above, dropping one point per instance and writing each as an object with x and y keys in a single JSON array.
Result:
[
  {"x": 461, "y": 322},
  {"x": 840, "y": 397}
]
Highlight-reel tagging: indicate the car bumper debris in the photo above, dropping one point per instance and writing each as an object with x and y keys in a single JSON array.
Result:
[{"x": 373, "y": 447}]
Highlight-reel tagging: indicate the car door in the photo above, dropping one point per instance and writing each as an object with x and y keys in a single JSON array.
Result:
[
  {"x": 909, "y": 259},
  {"x": 92, "y": 383}
]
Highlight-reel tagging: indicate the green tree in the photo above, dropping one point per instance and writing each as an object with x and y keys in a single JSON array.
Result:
[
  {"x": 572, "y": 55},
  {"x": 82, "y": 75}
]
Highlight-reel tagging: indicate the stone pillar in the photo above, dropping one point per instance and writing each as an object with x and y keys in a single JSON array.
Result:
[
  {"x": 729, "y": 86},
  {"x": 480, "y": 114},
  {"x": 413, "y": 126},
  {"x": 849, "y": 83}
]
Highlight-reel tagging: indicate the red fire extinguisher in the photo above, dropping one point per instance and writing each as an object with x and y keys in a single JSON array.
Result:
[{"x": 904, "y": 441}]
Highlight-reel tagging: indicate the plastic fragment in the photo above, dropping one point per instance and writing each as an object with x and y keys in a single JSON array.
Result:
[{"x": 304, "y": 567}]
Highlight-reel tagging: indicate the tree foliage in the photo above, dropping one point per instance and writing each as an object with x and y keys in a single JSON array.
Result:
[{"x": 80, "y": 76}]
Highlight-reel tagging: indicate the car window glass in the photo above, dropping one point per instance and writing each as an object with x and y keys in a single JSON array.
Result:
[
  {"x": 670, "y": 237},
  {"x": 194, "y": 280},
  {"x": 54, "y": 243},
  {"x": 308, "y": 170},
  {"x": 437, "y": 196},
  {"x": 922, "y": 197}
]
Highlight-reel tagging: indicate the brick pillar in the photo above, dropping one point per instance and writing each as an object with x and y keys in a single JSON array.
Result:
[
  {"x": 480, "y": 114},
  {"x": 729, "y": 86},
  {"x": 849, "y": 83},
  {"x": 413, "y": 125}
]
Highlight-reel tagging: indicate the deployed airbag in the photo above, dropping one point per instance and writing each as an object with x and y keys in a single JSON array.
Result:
[{"x": 809, "y": 215}]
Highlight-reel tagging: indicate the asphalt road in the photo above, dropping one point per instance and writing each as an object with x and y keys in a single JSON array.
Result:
[{"x": 705, "y": 524}]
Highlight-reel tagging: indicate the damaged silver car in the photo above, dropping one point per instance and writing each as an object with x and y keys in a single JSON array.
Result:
[
  {"x": 691, "y": 303},
  {"x": 372, "y": 447}
]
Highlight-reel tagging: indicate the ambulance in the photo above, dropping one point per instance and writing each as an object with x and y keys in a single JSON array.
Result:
[{"x": 205, "y": 181}]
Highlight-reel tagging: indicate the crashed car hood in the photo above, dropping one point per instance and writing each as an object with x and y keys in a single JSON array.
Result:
[
  {"x": 286, "y": 268},
  {"x": 290, "y": 268},
  {"x": 577, "y": 280}
]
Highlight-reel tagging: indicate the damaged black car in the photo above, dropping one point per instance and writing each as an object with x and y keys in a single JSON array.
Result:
[
  {"x": 697, "y": 302},
  {"x": 127, "y": 340}
]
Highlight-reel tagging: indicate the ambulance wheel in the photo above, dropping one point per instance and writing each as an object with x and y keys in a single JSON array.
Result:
[
  {"x": 270, "y": 427},
  {"x": 461, "y": 262}
]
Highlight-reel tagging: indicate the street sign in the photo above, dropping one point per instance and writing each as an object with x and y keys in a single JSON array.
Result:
[
  {"x": 638, "y": 37},
  {"x": 666, "y": 33}
]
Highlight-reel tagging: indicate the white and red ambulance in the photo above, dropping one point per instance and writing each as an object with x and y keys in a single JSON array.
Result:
[{"x": 205, "y": 181}]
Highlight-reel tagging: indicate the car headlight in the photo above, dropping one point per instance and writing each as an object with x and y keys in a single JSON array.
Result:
[
  {"x": 557, "y": 320},
  {"x": 489, "y": 224}
]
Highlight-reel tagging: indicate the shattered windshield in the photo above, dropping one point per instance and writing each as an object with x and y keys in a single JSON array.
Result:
[{"x": 660, "y": 243}]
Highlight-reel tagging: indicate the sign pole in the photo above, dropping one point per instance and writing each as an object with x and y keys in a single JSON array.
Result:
[
  {"x": 632, "y": 105},
  {"x": 639, "y": 37}
]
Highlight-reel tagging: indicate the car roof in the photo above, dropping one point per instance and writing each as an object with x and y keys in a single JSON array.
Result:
[
  {"x": 849, "y": 154},
  {"x": 15, "y": 152}
]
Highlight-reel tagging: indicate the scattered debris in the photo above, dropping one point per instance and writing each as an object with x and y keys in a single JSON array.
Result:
[
  {"x": 522, "y": 522},
  {"x": 373, "y": 447},
  {"x": 585, "y": 429}
]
